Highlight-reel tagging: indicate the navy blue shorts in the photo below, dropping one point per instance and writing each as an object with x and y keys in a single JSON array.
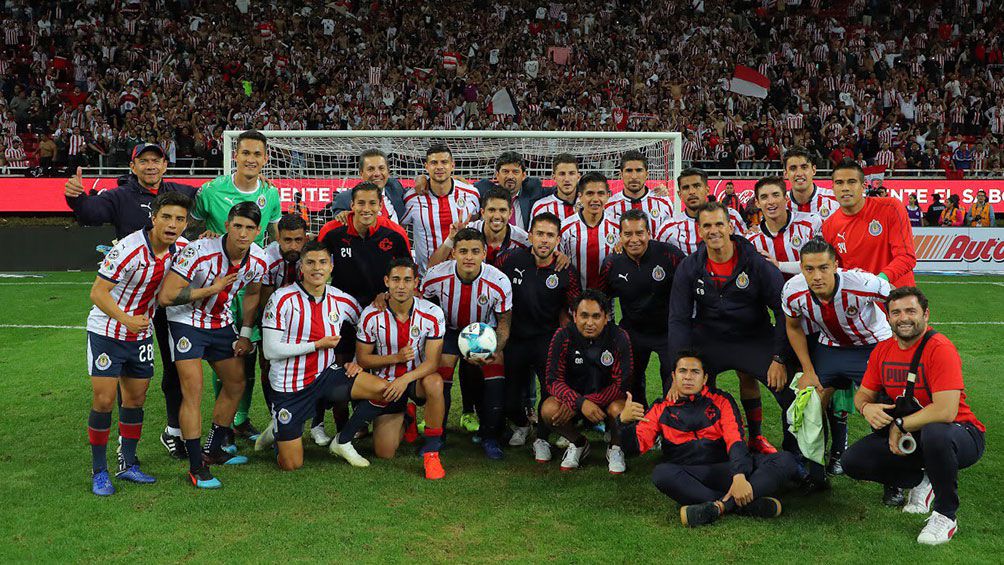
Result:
[
  {"x": 292, "y": 409},
  {"x": 451, "y": 344},
  {"x": 752, "y": 355},
  {"x": 839, "y": 367},
  {"x": 398, "y": 406},
  {"x": 108, "y": 357},
  {"x": 189, "y": 342}
]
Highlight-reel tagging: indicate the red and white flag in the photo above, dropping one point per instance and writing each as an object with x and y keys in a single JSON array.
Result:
[
  {"x": 748, "y": 82},
  {"x": 874, "y": 173}
]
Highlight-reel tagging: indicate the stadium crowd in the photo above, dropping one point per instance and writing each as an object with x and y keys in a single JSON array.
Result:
[{"x": 905, "y": 85}]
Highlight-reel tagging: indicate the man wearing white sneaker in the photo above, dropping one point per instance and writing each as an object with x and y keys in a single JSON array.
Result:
[
  {"x": 947, "y": 435},
  {"x": 587, "y": 364}
]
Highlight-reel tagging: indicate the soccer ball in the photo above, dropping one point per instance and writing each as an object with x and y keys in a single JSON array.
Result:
[{"x": 477, "y": 341}]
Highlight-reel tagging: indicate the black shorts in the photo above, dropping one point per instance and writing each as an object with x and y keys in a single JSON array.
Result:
[
  {"x": 190, "y": 342},
  {"x": 108, "y": 357},
  {"x": 292, "y": 409},
  {"x": 399, "y": 405},
  {"x": 752, "y": 355},
  {"x": 840, "y": 367},
  {"x": 347, "y": 345},
  {"x": 451, "y": 342}
]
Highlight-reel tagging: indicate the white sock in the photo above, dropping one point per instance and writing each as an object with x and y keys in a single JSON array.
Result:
[{"x": 176, "y": 432}]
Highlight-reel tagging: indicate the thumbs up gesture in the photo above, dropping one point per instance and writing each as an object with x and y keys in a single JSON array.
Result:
[
  {"x": 633, "y": 411},
  {"x": 74, "y": 187}
]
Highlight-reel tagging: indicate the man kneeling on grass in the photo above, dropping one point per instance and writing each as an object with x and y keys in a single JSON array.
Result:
[{"x": 707, "y": 467}]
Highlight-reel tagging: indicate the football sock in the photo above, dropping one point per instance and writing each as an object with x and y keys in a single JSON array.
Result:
[
  {"x": 98, "y": 424},
  {"x": 218, "y": 436},
  {"x": 581, "y": 441},
  {"x": 194, "y": 448},
  {"x": 433, "y": 440},
  {"x": 319, "y": 414},
  {"x": 130, "y": 428},
  {"x": 492, "y": 404},
  {"x": 447, "y": 374},
  {"x": 838, "y": 432},
  {"x": 754, "y": 416},
  {"x": 244, "y": 406},
  {"x": 364, "y": 413},
  {"x": 471, "y": 387}
]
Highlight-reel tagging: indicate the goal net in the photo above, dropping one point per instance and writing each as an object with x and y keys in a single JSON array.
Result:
[{"x": 319, "y": 164}]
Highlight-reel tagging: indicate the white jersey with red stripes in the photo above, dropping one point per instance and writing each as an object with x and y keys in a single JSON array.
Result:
[
  {"x": 278, "y": 271},
  {"x": 481, "y": 300},
  {"x": 516, "y": 237},
  {"x": 137, "y": 274},
  {"x": 430, "y": 216},
  {"x": 388, "y": 334},
  {"x": 587, "y": 246},
  {"x": 563, "y": 210},
  {"x": 659, "y": 209},
  {"x": 852, "y": 317},
  {"x": 304, "y": 318},
  {"x": 681, "y": 230},
  {"x": 201, "y": 263},
  {"x": 822, "y": 202},
  {"x": 788, "y": 241}
]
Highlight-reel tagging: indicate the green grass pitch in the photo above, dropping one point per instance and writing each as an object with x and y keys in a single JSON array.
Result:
[{"x": 514, "y": 510}]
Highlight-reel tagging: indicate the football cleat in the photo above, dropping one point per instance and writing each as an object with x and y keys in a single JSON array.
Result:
[
  {"x": 433, "y": 466},
  {"x": 347, "y": 452},
  {"x": 202, "y": 478},
  {"x": 469, "y": 422},
  {"x": 492, "y": 449},
  {"x": 134, "y": 475},
  {"x": 247, "y": 431},
  {"x": 759, "y": 444},
  {"x": 223, "y": 458},
  {"x": 101, "y": 484},
  {"x": 175, "y": 445},
  {"x": 519, "y": 436},
  {"x": 319, "y": 435},
  {"x": 574, "y": 456},
  {"x": 266, "y": 438}
]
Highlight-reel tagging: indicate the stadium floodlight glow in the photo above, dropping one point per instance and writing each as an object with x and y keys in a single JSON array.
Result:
[{"x": 300, "y": 158}]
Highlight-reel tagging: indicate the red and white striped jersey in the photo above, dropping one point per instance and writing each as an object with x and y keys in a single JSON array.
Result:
[
  {"x": 822, "y": 202},
  {"x": 852, "y": 317},
  {"x": 389, "y": 335},
  {"x": 516, "y": 237},
  {"x": 563, "y": 210},
  {"x": 681, "y": 230},
  {"x": 587, "y": 246},
  {"x": 15, "y": 157},
  {"x": 885, "y": 157},
  {"x": 200, "y": 264},
  {"x": 137, "y": 274},
  {"x": 77, "y": 143},
  {"x": 481, "y": 300},
  {"x": 659, "y": 209},
  {"x": 786, "y": 243},
  {"x": 302, "y": 318},
  {"x": 278, "y": 272},
  {"x": 430, "y": 217}
]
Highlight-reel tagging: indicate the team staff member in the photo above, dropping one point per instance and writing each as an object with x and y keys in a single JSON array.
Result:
[
  {"x": 373, "y": 168},
  {"x": 805, "y": 196},
  {"x": 720, "y": 305},
  {"x": 706, "y": 466},
  {"x": 871, "y": 234},
  {"x": 642, "y": 278},
  {"x": 565, "y": 174},
  {"x": 524, "y": 191},
  {"x": 542, "y": 297},
  {"x": 636, "y": 195},
  {"x": 949, "y": 437},
  {"x": 587, "y": 363},
  {"x": 119, "y": 342},
  {"x": 128, "y": 207}
]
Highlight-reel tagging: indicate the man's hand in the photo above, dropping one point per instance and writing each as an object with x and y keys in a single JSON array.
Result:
[
  {"x": 633, "y": 411},
  {"x": 380, "y": 301},
  {"x": 770, "y": 258},
  {"x": 564, "y": 415},
  {"x": 894, "y": 437},
  {"x": 327, "y": 342},
  {"x": 809, "y": 378},
  {"x": 482, "y": 361},
  {"x": 673, "y": 396},
  {"x": 405, "y": 354},
  {"x": 421, "y": 184},
  {"x": 777, "y": 376},
  {"x": 209, "y": 235},
  {"x": 222, "y": 282},
  {"x": 592, "y": 412},
  {"x": 353, "y": 369},
  {"x": 243, "y": 346},
  {"x": 457, "y": 226},
  {"x": 741, "y": 490},
  {"x": 395, "y": 390},
  {"x": 561, "y": 261},
  {"x": 342, "y": 216},
  {"x": 74, "y": 187},
  {"x": 876, "y": 415},
  {"x": 137, "y": 324},
  {"x": 660, "y": 189}
]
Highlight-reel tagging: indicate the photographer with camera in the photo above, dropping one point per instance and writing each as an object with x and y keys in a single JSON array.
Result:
[{"x": 922, "y": 440}]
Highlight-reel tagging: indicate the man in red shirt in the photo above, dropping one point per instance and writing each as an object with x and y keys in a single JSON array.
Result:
[
  {"x": 872, "y": 234},
  {"x": 949, "y": 437}
]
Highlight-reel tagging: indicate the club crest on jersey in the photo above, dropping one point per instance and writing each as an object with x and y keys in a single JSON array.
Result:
[
  {"x": 654, "y": 212},
  {"x": 611, "y": 239},
  {"x": 796, "y": 241},
  {"x": 551, "y": 282},
  {"x": 852, "y": 311},
  {"x": 607, "y": 358},
  {"x": 743, "y": 280},
  {"x": 248, "y": 276},
  {"x": 284, "y": 416},
  {"x": 183, "y": 345},
  {"x": 824, "y": 211},
  {"x": 414, "y": 331},
  {"x": 113, "y": 254},
  {"x": 333, "y": 317},
  {"x": 658, "y": 273},
  {"x": 385, "y": 244},
  {"x": 261, "y": 201},
  {"x": 103, "y": 362},
  {"x": 875, "y": 228},
  {"x": 483, "y": 299}
]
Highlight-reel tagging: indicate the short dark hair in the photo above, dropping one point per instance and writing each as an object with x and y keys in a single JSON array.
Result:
[
  {"x": 495, "y": 194},
  {"x": 253, "y": 135},
  {"x": 370, "y": 153},
  {"x": 633, "y": 155},
  {"x": 596, "y": 296},
  {"x": 768, "y": 181},
  {"x": 849, "y": 165},
  {"x": 248, "y": 210},
  {"x": 546, "y": 217},
  {"x": 796, "y": 152},
  {"x": 692, "y": 172},
  {"x": 711, "y": 207},
  {"x": 291, "y": 222},
  {"x": 592, "y": 176},
  {"x": 818, "y": 245},
  {"x": 172, "y": 198},
  {"x": 564, "y": 159},
  {"x": 470, "y": 234},
  {"x": 906, "y": 292},
  {"x": 689, "y": 354},
  {"x": 313, "y": 245},
  {"x": 510, "y": 158},
  {"x": 365, "y": 187},
  {"x": 634, "y": 214},
  {"x": 438, "y": 148},
  {"x": 402, "y": 262}
]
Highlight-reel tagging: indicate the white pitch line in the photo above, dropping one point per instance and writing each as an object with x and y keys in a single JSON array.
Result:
[
  {"x": 30, "y": 327},
  {"x": 45, "y": 283},
  {"x": 994, "y": 283}
]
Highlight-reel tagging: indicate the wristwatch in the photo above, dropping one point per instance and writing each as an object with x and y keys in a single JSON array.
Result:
[
  {"x": 899, "y": 424},
  {"x": 778, "y": 359}
]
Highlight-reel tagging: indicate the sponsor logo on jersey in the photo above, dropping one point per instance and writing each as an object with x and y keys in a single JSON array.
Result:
[
  {"x": 261, "y": 201},
  {"x": 551, "y": 282},
  {"x": 113, "y": 254},
  {"x": 284, "y": 416},
  {"x": 852, "y": 311},
  {"x": 189, "y": 252},
  {"x": 658, "y": 273},
  {"x": 607, "y": 358},
  {"x": 875, "y": 228},
  {"x": 743, "y": 280},
  {"x": 483, "y": 299},
  {"x": 183, "y": 345},
  {"x": 103, "y": 362}
]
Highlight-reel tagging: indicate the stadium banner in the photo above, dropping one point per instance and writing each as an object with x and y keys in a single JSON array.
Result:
[
  {"x": 27, "y": 195},
  {"x": 975, "y": 250}
]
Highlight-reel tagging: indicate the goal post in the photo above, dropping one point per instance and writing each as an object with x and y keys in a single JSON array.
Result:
[{"x": 318, "y": 164}]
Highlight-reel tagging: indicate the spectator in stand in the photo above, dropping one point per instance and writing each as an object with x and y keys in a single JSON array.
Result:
[
  {"x": 981, "y": 214},
  {"x": 934, "y": 210},
  {"x": 913, "y": 211},
  {"x": 953, "y": 215}
]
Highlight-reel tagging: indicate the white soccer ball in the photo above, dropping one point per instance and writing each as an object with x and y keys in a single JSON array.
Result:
[{"x": 477, "y": 341}]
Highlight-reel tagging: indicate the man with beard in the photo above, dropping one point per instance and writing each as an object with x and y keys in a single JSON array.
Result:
[
  {"x": 681, "y": 229},
  {"x": 565, "y": 174}
]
